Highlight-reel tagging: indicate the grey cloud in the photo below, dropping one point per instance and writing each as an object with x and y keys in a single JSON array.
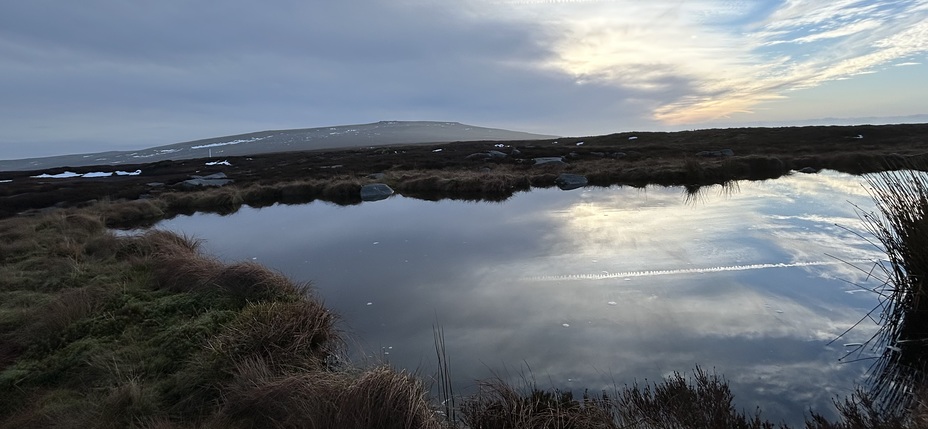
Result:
[{"x": 184, "y": 67}]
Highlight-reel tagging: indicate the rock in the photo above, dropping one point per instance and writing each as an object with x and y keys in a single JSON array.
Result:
[
  {"x": 205, "y": 183},
  {"x": 808, "y": 170},
  {"x": 496, "y": 154},
  {"x": 375, "y": 192},
  {"x": 598, "y": 154},
  {"x": 211, "y": 176},
  {"x": 211, "y": 180},
  {"x": 567, "y": 181},
  {"x": 376, "y": 176},
  {"x": 516, "y": 152},
  {"x": 550, "y": 160},
  {"x": 574, "y": 155},
  {"x": 479, "y": 155}
]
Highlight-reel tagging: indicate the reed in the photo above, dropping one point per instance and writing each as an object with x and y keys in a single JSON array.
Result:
[{"x": 900, "y": 226}]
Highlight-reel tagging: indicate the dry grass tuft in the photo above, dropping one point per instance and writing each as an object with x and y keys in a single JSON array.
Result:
[
  {"x": 900, "y": 225},
  {"x": 67, "y": 306},
  {"x": 298, "y": 334},
  {"x": 376, "y": 398},
  {"x": 500, "y": 406},
  {"x": 126, "y": 213},
  {"x": 258, "y": 396},
  {"x": 704, "y": 401},
  {"x": 384, "y": 398},
  {"x": 255, "y": 282}
]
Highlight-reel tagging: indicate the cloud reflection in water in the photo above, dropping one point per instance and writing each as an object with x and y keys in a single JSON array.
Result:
[{"x": 531, "y": 282}]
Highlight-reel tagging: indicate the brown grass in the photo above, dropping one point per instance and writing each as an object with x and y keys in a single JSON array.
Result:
[
  {"x": 379, "y": 397},
  {"x": 298, "y": 334},
  {"x": 498, "y": 405},
  {"x": 254, "y": 282},
  {"x": 126, "y": 213}
]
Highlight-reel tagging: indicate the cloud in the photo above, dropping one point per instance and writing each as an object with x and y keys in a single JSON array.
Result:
[
  {"x": 709, "y": 59},
  {"x": 106, "y": 74}
]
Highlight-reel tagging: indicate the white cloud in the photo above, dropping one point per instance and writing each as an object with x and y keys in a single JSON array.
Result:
[{"x": 708, "y": 59}]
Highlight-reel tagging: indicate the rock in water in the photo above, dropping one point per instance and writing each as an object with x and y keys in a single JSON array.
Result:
[
  {"x": 567, "y": 181},
  {"x": 375, "y": 192}
]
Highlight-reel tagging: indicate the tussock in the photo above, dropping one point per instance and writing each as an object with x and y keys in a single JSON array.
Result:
[
  {"x": 254, "y": 282},
  {"x": 127, "y": 213},
  {"x": 299, "y": 334},
  {"x": 901, "y": 227},
  {"x": 499, "y": 405}
]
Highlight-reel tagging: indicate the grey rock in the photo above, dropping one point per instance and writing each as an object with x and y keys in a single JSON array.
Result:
[
  {"x": 210, "y": 176},
  {"x": 496, "y": 154},
  {"x": 516, "y": 152},
  {"x": 808, "y": 170},
  {"x": 479, "y": 155},
  {"x": 210, "y": 180},
  {"x": 568, "y": 181},
  {"x": 204, "y": 183},
  {"x": 375, "y": 192},
  {"x": 550, "y": 160},
  {"x": 574, "y": 155},
  {"x": 376, "y": 176}
]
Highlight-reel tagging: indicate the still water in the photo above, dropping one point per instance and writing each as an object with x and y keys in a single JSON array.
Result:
[{"x": 591, "y": 288}]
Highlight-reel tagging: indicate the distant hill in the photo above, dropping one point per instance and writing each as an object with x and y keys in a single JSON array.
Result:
[{"x": 338, "y": 137}]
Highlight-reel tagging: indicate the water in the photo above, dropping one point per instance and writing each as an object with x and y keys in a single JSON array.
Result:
[{"x": 592, "y": 288}]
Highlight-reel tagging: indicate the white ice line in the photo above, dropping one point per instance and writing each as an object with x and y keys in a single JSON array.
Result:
[{"x": 652, "y": 273}]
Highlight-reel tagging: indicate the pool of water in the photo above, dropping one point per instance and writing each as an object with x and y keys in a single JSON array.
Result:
[{"x": 591, "y": 288}]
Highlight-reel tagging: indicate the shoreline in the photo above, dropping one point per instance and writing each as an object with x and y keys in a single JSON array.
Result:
[{"x": 451, "y": 170}]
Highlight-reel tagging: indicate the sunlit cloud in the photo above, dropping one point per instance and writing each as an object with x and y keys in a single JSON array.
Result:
[{"x": 706, "y": 60}]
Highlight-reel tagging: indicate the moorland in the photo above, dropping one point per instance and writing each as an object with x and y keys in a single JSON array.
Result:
[
  {"x": 481, "y": 170},
  {"x": 99, "y": 329}
]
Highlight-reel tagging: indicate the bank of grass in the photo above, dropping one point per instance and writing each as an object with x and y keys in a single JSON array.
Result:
[
  {"x": 104, "y": 331},
  {"x": 99, "y": 330},
  {"x": 495, "y": 180}
]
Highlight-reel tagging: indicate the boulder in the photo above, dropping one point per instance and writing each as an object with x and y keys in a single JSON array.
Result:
[
  {"x": 478, "y": 155},
  {"x": 550, "y": 160},
  {"x": 211, "y": 180},
  {"x": 376, "y": 176},
  {"x": 496, "y": 154},
  {"x": 375, "y": 192},
  {"x": 567, "y": 181},
  {"x": 808, "y": 170}
]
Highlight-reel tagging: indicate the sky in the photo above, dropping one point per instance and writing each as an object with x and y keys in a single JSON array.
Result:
[{"x": 98, "y": 75}]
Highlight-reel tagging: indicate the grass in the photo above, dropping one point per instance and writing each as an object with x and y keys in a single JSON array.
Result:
[
  {"x": 144, "y": 331},
  {"x": 900, "y": 228}
]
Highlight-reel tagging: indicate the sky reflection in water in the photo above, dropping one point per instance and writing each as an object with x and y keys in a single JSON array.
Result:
[{"x": 593, "y": 287}]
